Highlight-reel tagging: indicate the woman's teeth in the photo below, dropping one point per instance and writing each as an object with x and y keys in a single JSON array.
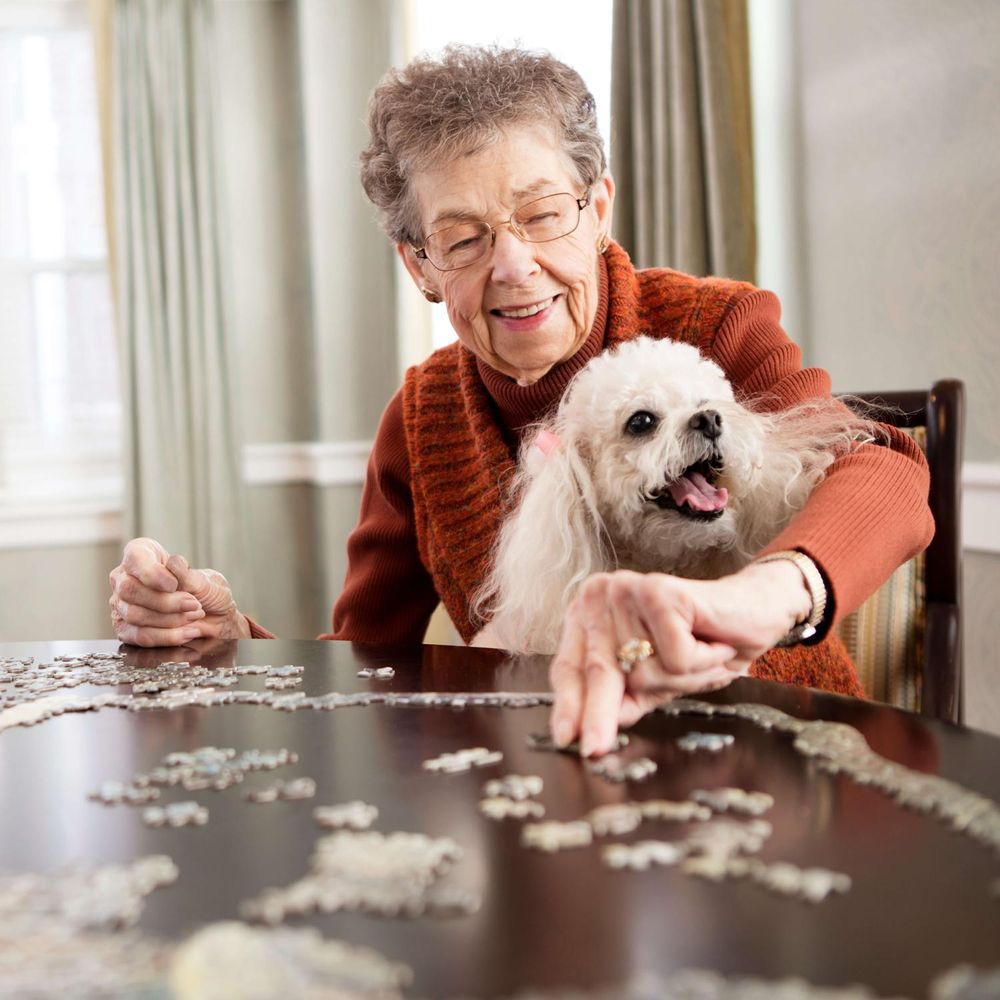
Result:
[{"x": 527, "y": 310}]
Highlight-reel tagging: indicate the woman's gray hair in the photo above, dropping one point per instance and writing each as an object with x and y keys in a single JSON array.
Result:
[{"x": 435, "y": 109}]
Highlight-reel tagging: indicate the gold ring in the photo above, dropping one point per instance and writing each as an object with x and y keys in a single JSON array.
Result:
[{"x": 632, "y": 652}]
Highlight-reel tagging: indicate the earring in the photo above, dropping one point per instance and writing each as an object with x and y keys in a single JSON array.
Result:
[
  {"x": 602, "y": 243},
  {"x": 432, "y": 297}
]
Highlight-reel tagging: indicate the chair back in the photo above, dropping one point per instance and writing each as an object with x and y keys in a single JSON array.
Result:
[{"x": 906, "y": 639}]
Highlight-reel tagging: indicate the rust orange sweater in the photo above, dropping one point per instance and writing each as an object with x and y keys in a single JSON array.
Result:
[{"x": 445, "y": 448}]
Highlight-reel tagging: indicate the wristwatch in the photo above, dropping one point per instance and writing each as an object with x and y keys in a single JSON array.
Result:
[{"x": 817, "y": 591}]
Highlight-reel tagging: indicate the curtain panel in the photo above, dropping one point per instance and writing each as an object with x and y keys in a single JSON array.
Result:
[
  {"x": 681, "y": 146},
  {"x": 182, "y": 450}
]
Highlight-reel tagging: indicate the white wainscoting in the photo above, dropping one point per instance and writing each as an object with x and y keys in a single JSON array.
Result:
[{"x": 53, "y": 518}]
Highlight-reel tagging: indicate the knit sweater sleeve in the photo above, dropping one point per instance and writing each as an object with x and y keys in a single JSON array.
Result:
[
  {"x": 870, "y": 513},
  {"x": 388, "y": 596}
]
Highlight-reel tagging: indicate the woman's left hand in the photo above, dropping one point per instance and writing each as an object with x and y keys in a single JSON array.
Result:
[{"x": 704, "y": 634}]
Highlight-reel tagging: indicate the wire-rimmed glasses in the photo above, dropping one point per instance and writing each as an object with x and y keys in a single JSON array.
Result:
[{"x": 539, "y": 221}]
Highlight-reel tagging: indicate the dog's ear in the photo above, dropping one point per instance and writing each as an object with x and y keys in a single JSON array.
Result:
[{"x": 546, "y": 547}]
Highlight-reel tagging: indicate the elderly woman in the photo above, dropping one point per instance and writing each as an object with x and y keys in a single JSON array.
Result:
[{"x": 489, "y": 176}]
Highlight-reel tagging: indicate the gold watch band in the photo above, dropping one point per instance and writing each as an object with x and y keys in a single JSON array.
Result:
[{"x": 817, "y": 591}]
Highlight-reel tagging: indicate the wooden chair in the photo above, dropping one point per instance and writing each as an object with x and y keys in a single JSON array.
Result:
[{"x": 907, "y": 637}]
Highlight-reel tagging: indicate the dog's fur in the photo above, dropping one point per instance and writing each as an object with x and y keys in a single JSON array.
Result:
[{"x": 587, "y": 504}]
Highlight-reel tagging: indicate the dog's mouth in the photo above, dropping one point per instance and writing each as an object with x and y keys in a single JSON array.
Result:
[{"x": 694, "y": 493}]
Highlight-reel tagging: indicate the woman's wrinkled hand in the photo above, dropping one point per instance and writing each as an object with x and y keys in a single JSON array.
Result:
[
  {"x": 158, "y": 600},
  {"x": 704, "y": 633}
]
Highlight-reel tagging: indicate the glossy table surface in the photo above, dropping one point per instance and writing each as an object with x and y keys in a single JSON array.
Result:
[{"x": 921, "y": 899}]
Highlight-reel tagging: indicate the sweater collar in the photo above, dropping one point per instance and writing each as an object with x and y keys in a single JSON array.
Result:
[{"x": 520, "y": 405}]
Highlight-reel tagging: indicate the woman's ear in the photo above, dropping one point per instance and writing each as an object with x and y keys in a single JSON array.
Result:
[
  {"x": 603, "y": 200},
  {"x": 415, "y": 268}
]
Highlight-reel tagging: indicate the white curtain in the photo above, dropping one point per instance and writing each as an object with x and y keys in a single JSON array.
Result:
[{"x": 182, "y": 455}]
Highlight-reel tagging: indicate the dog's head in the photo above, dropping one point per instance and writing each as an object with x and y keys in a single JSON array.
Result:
[
  {"x": 650, "y": 463},
  {"x": 670, "y": 453}
]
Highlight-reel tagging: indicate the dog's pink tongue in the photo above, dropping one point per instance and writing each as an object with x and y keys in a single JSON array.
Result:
[{"x": 697, "y": 492}]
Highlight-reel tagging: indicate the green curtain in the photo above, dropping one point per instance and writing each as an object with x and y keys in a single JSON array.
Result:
[
  {"x": 182, "y": 454},
  {"x": 681, "y": 147}
]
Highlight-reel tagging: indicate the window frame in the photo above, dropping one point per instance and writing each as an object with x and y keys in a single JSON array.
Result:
[{"x": 66, "y": 491}]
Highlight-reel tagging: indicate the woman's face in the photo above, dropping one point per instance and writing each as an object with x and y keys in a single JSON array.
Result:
[{"x": 561, "y": 276}]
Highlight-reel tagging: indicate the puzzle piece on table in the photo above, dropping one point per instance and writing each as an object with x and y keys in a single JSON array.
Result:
[
  {"x": 286, "y": 671},
  {"x": 231, "y": 959},
  {"x": 501, "y": 807},
  {"x": 681, "y": 812},
  {"x": 544, "y": 742},
  {"x": 379, "y": 673},
  {"x": 514, "y": 786},
  {"x": 616, "y": 818},
  {"x": 616, "y": 769},
  {"x": 713, "y": 742},
  {"x": 355, "y": 815},
  {"x": 812, "y": 885},
  {"x": 736, "y": 800},
  {"x": 463, "y": 760},
  {"x": 106, "y": 897},
  {"x": 117, "y": 793},
  {"x": 722, "y": 838},
  {"x": 176, "y": 814},
  {"x": 281, "y": 683},
  {"x": 393, "y": 875},
  {"x": 554, "y": 836},
  {"x": 643, "y": 855},
  {"x": 283, "y": 791}
]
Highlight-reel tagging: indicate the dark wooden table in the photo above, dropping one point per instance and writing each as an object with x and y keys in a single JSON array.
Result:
[{"x": 920, "y": 900}]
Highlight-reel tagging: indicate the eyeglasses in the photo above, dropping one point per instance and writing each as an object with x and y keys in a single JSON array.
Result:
[{"x": 540, "y": 221}]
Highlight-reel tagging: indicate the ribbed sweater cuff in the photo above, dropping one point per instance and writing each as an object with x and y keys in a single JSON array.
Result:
[{"x": 868, "y": 517}]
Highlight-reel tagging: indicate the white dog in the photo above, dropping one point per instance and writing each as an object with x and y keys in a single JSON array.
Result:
[{"x": 649, "y": 464}]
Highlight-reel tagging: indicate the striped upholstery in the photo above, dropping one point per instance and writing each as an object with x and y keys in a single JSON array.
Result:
[{"x": 885, "y": 635}]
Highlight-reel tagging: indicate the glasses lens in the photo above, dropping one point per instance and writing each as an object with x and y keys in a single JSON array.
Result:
[
  {"x": 547, "y": 218},
  {"x": 458, "y": 246}
]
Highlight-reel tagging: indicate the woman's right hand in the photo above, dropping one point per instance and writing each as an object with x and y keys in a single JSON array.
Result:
[{"x": 158, "y": 600}]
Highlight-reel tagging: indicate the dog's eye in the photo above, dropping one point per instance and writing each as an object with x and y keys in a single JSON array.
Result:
[{"x": 641, "y": 422}]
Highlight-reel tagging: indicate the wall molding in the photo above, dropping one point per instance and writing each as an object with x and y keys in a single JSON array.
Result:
[
  {"x": 58, "y": 518},
  {"x": 335, "y": 463},
  {"x": 43, "y": 522},
  {"x": 45, "y": 513},
  {"x": 981, "y": 507}
]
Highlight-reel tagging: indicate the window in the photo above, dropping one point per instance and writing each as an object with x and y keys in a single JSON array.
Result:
[
  {"x": 579, "y": 34},
  {"x": 60, "y": 408}
]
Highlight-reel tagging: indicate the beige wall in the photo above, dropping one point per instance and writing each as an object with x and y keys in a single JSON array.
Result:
[
  {"x": 899, "y": 160},
  {"x": 56, "y": 593},
  {"x": 982, "y": 639}
]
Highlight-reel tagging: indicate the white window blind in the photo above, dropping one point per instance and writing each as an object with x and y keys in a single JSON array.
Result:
[{"x": 60, "y": 410}]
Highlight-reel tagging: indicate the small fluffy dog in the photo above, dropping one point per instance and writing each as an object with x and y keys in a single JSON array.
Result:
[{"x": 650, "y": 464}]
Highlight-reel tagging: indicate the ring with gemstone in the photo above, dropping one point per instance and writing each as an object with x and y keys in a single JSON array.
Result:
[{"x": 632, "y": 652}]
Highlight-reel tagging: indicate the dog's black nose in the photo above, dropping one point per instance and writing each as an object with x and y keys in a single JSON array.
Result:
[{"x": 707, "y": 422}]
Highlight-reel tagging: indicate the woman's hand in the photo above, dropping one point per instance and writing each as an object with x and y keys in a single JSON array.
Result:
[
  {"x": 158, "y": 600},
  {"x": 704, "y": 634}
]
